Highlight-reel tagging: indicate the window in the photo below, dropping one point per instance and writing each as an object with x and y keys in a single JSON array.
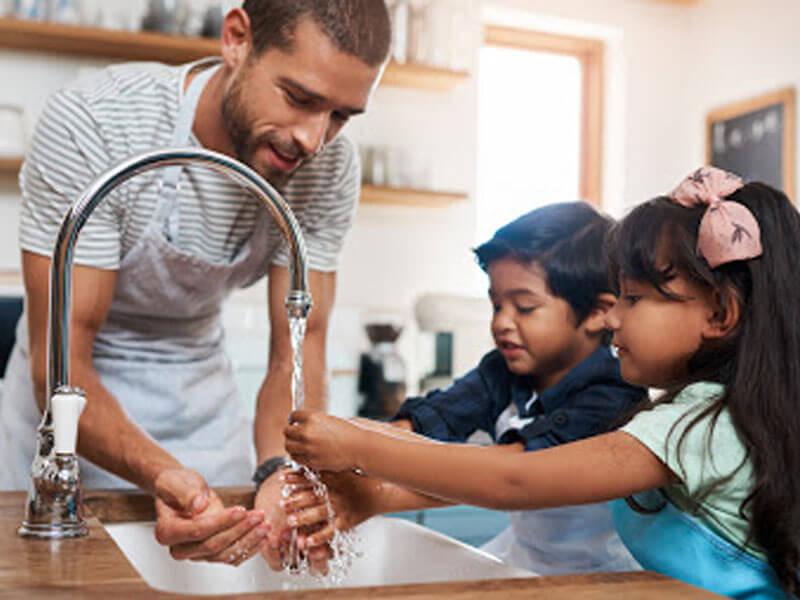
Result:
[{"x": 539, "y": 123}]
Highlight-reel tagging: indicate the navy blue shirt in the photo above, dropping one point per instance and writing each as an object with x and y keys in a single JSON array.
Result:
[{"x": 590, "y": 399}]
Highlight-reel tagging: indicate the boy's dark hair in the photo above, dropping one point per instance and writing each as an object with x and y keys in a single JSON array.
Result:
[
  {"x": 360, "y": 28},
  {"x": 758, "y": 362},
  {"x": 567, "y": 241}
]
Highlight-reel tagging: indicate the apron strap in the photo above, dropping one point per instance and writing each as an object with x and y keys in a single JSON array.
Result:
[
  {"x": 183, "y": 129},
  {"x": 648, "y": 503}
]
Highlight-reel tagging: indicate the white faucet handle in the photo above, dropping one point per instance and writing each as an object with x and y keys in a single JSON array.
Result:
[{"x": 67, "y": 407}]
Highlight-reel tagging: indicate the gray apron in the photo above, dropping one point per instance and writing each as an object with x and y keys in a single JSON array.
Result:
[
  {"x": 555, "y": 541},
  {"x": 161, "y": 350}
]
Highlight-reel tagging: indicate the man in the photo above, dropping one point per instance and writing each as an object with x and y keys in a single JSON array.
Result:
[{"x": 158, "y": 257}]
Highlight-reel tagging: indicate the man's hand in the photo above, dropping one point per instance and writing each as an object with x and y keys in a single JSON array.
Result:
[
  {"x": 195, "y": 525},
  {"x": 270, "y": 500},
  {"x": 267, "y": 501}
]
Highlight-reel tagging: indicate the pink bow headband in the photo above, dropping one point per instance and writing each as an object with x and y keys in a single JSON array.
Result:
[{"x": 728, "y": 230}]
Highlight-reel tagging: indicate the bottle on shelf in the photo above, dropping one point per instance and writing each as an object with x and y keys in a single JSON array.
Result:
[
  {"x": 400, "y": 22},
  {"x": 419, "y": 32}
]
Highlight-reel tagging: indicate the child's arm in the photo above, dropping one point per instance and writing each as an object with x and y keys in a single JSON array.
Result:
[
  {"x": 609, "y": 466},
  {"x": 354, "y": 499}
]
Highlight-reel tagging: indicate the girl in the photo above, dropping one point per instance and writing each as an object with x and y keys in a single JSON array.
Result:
[{"x": 709, "y": 311}]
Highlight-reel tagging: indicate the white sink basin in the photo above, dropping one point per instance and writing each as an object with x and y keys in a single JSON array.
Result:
[{"x": 395, "y": 551}]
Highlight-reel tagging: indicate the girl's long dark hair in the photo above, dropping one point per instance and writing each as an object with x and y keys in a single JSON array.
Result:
[{"x": 758, "y": 362}]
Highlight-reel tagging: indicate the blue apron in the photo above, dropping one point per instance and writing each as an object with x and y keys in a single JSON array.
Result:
[{"x": 671, "y": 542}]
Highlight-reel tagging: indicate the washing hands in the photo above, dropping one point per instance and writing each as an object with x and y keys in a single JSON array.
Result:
[
  {"x": 352, "y": 498},
  {"x": 193, "y": 521},
  {"x": 322, "y": 442}
]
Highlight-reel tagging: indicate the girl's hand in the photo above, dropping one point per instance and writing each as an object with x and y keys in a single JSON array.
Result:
[{"x": 322, "y": 442}]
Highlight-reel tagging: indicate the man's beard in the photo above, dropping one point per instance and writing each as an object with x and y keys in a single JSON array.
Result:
[{"x": 245, "y": 145}]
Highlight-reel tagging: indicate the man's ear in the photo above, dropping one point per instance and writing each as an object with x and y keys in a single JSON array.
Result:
[
  {"x": 723, "y": 316},
  {"x": 237, "y": 40},
  {"x": 595, "y": 323}
]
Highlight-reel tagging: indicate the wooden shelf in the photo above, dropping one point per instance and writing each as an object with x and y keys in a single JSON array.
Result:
[
  {"x": 423, "y": 77},
  {"x": 10, "y": 278},
  {"x": 37, "y": 36},
  {"x": 10, "y": 166},
  {"x": 372, "y": 194}
]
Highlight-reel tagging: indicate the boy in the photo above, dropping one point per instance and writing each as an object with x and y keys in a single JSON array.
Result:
[{"x": 551, "y": 379}]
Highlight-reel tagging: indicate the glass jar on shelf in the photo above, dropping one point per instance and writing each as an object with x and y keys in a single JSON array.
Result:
[
  {"x": 161, "y": 16},
  {"x": 395, "y": 167},
  {"x": 379, "y": 169},
  {"x": 29, "y": 9},
  {"x": 437, "y": 21},
  {"x": 400, "y": 13},
  {"x": 419, "y": 35},
  {"x": 68, "y": 12},
  {"x": 462, "y": 36},
  {"x": 365, "y": 156}
]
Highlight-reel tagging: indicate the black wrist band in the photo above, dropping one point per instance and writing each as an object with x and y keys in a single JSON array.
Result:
[{"x": 268, "y": 467}]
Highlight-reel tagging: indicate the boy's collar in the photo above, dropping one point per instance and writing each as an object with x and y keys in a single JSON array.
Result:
[{"x": 599, "y": 365}]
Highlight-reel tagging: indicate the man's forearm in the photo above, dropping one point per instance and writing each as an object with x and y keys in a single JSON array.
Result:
[
  {"x": 272, "y": 411},
  {"x": 275, "y": 403}
]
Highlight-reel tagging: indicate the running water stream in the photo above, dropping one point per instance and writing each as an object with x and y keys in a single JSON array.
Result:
[{"x": 343, "y": 545}]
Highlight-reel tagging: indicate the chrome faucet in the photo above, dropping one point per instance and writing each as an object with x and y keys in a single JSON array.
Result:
[{"x": 53, "y": 509}]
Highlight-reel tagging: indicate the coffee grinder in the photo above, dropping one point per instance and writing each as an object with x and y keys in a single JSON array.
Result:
[{"x": 382, "y": 373}]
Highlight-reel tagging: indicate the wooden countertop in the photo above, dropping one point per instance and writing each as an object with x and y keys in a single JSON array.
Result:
[{"x": 94, "y": 568}]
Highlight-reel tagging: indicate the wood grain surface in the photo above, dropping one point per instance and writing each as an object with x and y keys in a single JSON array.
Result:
[{"x": 93, "y": 568}]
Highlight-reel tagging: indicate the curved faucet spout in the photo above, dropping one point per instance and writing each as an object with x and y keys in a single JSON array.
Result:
[
  {"x": 298, "y": 300},
  {"x": 58, "y": 515}
]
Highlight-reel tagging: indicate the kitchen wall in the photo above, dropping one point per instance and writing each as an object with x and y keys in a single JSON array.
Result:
[
  {"x": 666, "y": 65},
  {"x": 740, "y": 49},
  {"x": 27, "y": 80}
]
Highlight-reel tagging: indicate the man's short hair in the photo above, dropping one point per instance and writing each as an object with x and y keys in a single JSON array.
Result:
[
  {"x": 567, "y": 240},
  {"x": 360, "y": 28}
]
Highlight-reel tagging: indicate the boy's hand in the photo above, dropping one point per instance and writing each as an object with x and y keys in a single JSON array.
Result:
[
  {"x": 322, "y": 442},
  {"x": 352, "y": 498}
]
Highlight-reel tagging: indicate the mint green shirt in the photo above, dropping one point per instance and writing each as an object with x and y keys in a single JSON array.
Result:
[{"x": 706, "y": 455}]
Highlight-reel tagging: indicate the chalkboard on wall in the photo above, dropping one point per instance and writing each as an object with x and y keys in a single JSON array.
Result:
[{"x": 756, "y": 139}]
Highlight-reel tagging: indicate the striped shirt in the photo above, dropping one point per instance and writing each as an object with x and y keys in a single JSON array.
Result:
[{"x": 131, "y": 108}]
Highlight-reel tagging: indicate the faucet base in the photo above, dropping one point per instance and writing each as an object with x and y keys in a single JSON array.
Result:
[
  {"x": 53, "y": 509},
  {"x": 53, "y": 532}
]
